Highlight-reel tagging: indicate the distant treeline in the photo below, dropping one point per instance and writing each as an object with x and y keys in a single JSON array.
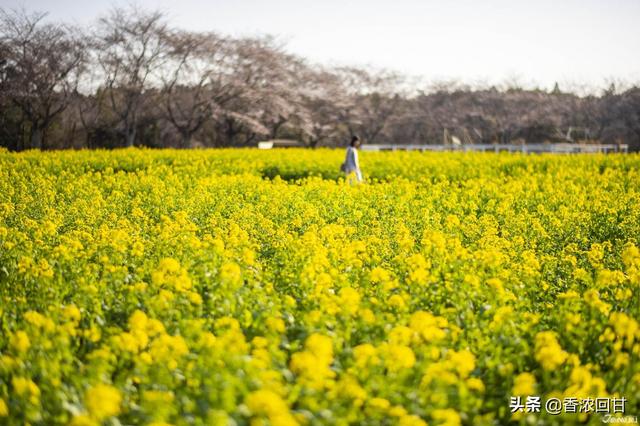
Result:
[{"x": 132, "y": 79}]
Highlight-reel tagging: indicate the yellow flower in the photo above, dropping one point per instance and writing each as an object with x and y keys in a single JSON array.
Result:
[
  {"x": 609, "y": 278},
  {"x": 303, "y": 362},
  {"x": 524, "y": 385},
  {"x": 166, "y": 349},
  {"x": 429, "y": 326},
  {"x": 380, "y": 404},
  {"x": 83, "y": 420},
  {"x": 397, "y": 301},
  {"x": 596, "y": 254},
  {"x": 475, "y": 384},
  {"x": 169, "y": 265},
  {"x": 20, "y": 341},
  {"x": 349, "y": 299},
  {"x": 126, "y": 342},
  {"x": 397, "y": 411},
  {"x": 170, "y": 274},
  {"x": 592, "y": 297},
  {"x": 194, "y": 298},
  {"x": 570, "y": 294},
  {"x": 345, "y": 301},
  {"x": 348, "y": 387},
  {"x": 446, "y": 417},
  {"x": 275, "y": 325},
  {"x": 231, "y": 274},
  {"x": 379, "y": 275},
  {"x": 259, "y": 342},
  {"x": 71, "y": 313},
  {"x": 23, "y": 386},
  {"x": 138, "y": 320},
  {"x": 583, "y": 384},
  {"x": 411, "y": 420},
  {"x": 367, "y": 316},
  {"x": 39, "y": 320},
  {"x": 631, "y": 256},
  {"x": 267, "y": 403},
  {"x": 419, "y": 276},
  {"x": 102, "y": 401},
  {"x": 502, "y": 314},
  {"x": 548, "y": 352},
  {"x": 464, "y": 362},
  {"x": 313, "y": 364},
  {"x": 321, "y": 346},
  {"x": 401, "y": 335},
  {"x": 158, "y": 397},
  {"x": 399, "y": 357},
  {"x": 364, "y": 353},
  {"x": 158, "y": 403},
  {"x": 625, "y": 327}
]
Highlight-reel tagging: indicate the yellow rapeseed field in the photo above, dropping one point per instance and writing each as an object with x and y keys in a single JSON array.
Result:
[{"x": 237, "y": 287}]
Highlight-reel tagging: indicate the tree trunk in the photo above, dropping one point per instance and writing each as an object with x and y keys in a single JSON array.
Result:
[
  {"x": 276, "y": 127},
  {"x": 249, "y": 139},
  {"x": 230, "y": 133},
  {"x": 130, "y": 137},
  {"x": 36, "y": 138},
  {"x": 186, "y": 139}
]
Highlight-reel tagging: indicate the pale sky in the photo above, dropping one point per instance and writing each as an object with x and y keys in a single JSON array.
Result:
[{"x": 579, "y": 42}]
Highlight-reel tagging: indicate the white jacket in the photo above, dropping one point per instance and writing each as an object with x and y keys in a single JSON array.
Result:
[{"x": 351, "y": 162}]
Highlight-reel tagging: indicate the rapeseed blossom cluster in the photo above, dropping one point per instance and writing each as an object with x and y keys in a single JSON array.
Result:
[{"x": 257, "y": 288}]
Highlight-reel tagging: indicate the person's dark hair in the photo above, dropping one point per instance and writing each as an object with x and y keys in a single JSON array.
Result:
[{"x": 354, "y": 139}]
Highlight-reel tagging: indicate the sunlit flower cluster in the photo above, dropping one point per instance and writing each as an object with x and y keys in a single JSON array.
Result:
[{"x": 259, "y": 288}]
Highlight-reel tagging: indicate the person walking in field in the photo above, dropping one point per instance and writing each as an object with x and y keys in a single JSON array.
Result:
[{"x": 351, "y": 166}]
